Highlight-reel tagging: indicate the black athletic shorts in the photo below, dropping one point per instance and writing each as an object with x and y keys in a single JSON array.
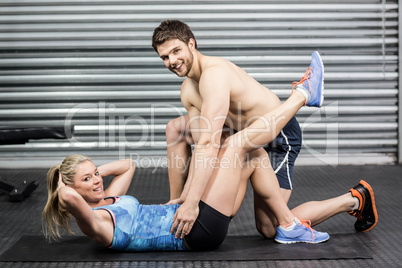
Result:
[
  {"x": 283, "y": 151},
  {"x": 209, "y": 230}
]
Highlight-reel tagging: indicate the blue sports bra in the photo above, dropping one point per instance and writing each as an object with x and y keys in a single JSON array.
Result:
[{"x": 142, "y": 227}]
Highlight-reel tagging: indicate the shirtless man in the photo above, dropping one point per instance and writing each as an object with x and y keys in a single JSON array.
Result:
[{"x": 216, "y": 93}]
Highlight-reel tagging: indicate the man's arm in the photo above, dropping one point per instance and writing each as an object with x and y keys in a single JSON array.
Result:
[
  {"x": 193, "y": 113},
  {"x": 215, "y": 92}
]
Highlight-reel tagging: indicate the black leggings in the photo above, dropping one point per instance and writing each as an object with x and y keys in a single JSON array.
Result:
[{"x": 209, "y": 230}]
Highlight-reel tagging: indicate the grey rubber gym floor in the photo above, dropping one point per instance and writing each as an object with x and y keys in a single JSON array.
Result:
[{"x": 311, "y": 183}]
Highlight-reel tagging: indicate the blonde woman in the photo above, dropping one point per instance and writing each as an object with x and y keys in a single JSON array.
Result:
[{"x": 116, "y": 220}]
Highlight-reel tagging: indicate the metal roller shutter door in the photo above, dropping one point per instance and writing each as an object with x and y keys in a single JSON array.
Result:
[{"x": 90, "y": 63}]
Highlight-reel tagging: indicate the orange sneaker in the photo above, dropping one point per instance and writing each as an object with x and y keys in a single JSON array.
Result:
[{"x": 366, "y": 214}]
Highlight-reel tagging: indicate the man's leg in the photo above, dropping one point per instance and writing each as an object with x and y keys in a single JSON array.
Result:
[
  {"x": 178, "y": 141},
  {"x": 319, "y": 211},
  {"x": 359, "y": 202},
  {"x": 314, "y": 211}
]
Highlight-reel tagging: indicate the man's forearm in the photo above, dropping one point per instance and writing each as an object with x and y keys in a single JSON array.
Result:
[
  {"x": 202, "y": 165},
  {"x": 186, "y": 188}
]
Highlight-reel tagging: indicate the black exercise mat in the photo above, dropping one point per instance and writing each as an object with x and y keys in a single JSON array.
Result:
[{"x": 235, "y": 248}]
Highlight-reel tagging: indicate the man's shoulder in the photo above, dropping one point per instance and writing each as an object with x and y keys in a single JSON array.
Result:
[
  {"x": 214, "y": 63},
  {"x": 189, "y": 83},
  {"x": 217, "y": 66}
]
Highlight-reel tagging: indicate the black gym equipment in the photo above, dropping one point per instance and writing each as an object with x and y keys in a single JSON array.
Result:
[{"x": 18, "y": 191}]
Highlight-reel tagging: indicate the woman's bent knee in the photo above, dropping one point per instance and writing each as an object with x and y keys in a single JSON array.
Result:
[{"x": 233, "y": 143}]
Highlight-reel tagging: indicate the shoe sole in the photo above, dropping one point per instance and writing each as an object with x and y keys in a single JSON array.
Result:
[
  {"x": 322, "y": 80},
  {"x": 368, "y": 187},
  {"x": 294, "y": 242}
]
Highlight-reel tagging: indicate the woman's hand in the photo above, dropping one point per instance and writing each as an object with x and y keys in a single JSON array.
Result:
[
  {"x": 60, "y": 183},
  {"x": 123, "y": 170}
]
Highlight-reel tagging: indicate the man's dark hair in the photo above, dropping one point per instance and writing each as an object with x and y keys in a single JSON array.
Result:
[{"x": 171, "y": 29}]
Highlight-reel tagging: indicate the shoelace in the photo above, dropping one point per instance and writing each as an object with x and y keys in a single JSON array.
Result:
[
  {"x": 307, "y": 224},
  {"x": 357, "y": 214},
  {"x": 307, "y": 75}
]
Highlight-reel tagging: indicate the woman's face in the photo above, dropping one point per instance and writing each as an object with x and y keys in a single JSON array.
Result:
[{"x": 88, "y": 183}]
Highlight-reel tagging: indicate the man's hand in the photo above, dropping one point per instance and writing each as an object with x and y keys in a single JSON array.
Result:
[
  {"x": 184, "y": 219},
  {"x": 175, "y": 201}
]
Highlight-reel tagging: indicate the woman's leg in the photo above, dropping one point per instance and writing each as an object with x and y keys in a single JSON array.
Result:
[
  {"x": 265, "y": 219},
  {"x": 270, "y": 201},
  {"x": 309, "y": 91},
  {"x": 223, "y": 186},
  {"x": 225, "y": 192},
  {"x": 226, "y": 185},
  {"x": 266, "y": 128}
]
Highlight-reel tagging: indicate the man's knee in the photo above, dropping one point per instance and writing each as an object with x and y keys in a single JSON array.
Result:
[
  {"x": 265, "y": 221},
  {"x": 266, "y": 230},
  {"x": 174, "y": 130}
]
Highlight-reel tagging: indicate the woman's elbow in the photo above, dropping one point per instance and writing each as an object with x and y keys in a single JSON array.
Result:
[
  {"x": 131, "y": 164},
  {"x": 67, "y": 196}
]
